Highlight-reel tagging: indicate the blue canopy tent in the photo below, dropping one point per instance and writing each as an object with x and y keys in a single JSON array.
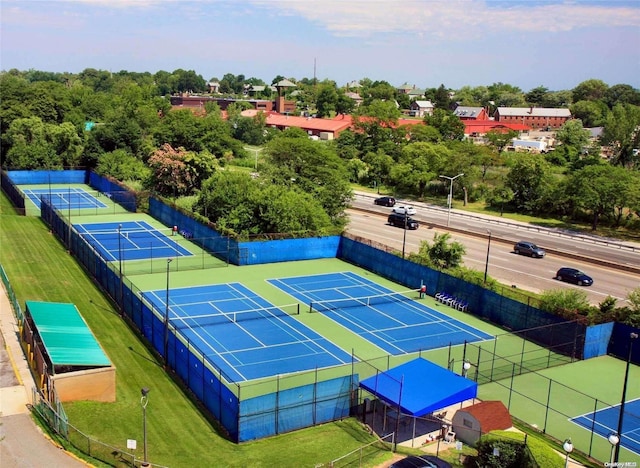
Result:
[{"x": 419, "y": 387}]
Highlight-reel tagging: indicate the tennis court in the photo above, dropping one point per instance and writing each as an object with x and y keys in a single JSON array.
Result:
[
  {"x": 130, "y": 240},
  {"x": 244, "y": 334},
  {"x": 62, "y": 199},
  {"x": 605, "y": 421},
  {"x": 395, "y": 322}
]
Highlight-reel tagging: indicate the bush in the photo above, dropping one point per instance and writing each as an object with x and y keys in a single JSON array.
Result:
[{"x": 512, "y": 451}]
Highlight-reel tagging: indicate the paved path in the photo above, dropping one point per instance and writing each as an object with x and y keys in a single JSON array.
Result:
[{"x": 22, "y": 443}]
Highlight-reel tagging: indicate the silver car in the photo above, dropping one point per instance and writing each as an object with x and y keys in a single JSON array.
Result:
[{"x": 528, "y": 248}]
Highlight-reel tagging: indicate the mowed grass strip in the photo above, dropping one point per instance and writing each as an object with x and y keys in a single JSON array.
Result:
[{"x": 39, "y": 268}]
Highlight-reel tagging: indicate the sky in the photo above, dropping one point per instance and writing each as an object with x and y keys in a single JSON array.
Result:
[{"x": 553, "y": 43}]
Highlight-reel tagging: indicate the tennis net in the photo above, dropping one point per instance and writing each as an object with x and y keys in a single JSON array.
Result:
[
  {"x": 238, "y": 316},
  {"x": 364, "y": 301},
  {"x": 129, "y": 234}
]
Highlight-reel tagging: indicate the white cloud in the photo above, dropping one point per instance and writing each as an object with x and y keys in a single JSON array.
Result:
[{"x": 450, "y": 17}]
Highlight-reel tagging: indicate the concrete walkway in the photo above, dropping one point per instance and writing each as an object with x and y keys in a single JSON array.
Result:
[{"x": 22, "y": 443}]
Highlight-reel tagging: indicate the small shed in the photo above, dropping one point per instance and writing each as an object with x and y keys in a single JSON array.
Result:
[
  {"x": 65, "y": 354},
  {"x": 473, "y": 421}
]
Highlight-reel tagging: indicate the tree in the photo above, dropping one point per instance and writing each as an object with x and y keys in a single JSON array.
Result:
[
  {"x": 530, "y": 179},
  {"x": 601, "y": 190},
  {"x": 311, "y": 167},
  {"x": 442, "y": 253},
  {"x": 123, "y": 166},
  {"x": 505, "y": 95},
  {"x": 500, "y": 139},
  {"x": 446, "y": 122},
  {"x": 442, "y": 99},
  {"x": 425, "y": 133},
  {"x": 590, "y": 90},
  {"x": 344, "y": 104},
  {"x": 244, "y": 206},
  {"x": 33, "y": 144},
  {"x": 565, "y": 302},
  {"x": 591, "y": 113},
  {"x": 418, "y": 164},
  {"x": 622, "y": 94},
  {"x": 537, "y": 96},
  {"x": 573, "y": 134},
  {"x": 379, "y": 167},
  {"x": 179, "y": 172},
  {"x": 621, "y": 133},
  {"x": 327, "y": 99},
  {"x": 373, "y": 125}
]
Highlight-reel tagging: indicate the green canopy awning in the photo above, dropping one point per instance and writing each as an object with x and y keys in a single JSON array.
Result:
[{"x": 65, "y": 335}]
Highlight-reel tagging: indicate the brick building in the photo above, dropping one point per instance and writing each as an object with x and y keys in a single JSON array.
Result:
[{"x": 533, "y": 117}]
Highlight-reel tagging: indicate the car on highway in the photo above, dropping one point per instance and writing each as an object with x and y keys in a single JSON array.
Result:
[
  {"x": 385, "y": 201},
  {"x": 528, "y": 248},
  {"x": 575, "y": 276},
  {"x": 404, "y": 209},
  {"x": 421, "y": 461},
  {"x": 403, "y": 221}
]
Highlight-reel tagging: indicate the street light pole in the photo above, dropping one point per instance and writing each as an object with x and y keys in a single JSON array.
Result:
[
  {"x": 166, "y": 318},
  {"x": 613, "y": 440},
  {"x": 450, "y": 179},
  {"x": 465, "y": 368},
  {"x": 144, "y": 400},
  {"x": 486, "y": 266},
  {"x": 632, "y": 336},
  {"x": 568, "y": 447}
]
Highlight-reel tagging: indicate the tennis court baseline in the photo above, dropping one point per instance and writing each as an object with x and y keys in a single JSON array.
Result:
[
  {"x": 243, "y": 334},
  {"x": 396, "y": 323},
  {"x": 131, "y": 240},
  {"x": 63, "y": 199},
  {"x": 605, "y": 421}
]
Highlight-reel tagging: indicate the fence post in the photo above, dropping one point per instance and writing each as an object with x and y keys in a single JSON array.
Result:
[
  {"x": 546, "y": 413},
  {"x": 513, "y": 371}
]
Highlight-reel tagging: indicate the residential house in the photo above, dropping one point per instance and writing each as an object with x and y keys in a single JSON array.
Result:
[
  {"x": 416, "y": 93},
  {"x": 534, "y": 117},
  {"x": 405, "y": 88},
  {"x": 421, "y": 108},
  {"x": 355, "y": 96}
]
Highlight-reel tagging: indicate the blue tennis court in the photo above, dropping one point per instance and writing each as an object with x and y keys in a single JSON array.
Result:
[
  {"x": 605, "y": 421},
  {"x": 246, "y": 336},
  {"x": 62, "y": 199},
  {"x": 132, "y": 240},
  {"x": 397, "y": 323}
]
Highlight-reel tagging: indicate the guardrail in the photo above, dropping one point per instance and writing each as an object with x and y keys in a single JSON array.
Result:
[{"x": 633, "y": 249}]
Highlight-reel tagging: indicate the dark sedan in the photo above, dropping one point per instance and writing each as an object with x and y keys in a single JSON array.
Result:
[
  {"x": 575, "y": 276},
  {"x": 385, "y": 201},
  {"x": 421, "y": 461}
]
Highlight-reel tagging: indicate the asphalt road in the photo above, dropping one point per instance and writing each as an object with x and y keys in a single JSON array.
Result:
[{"x": 615, "y": 266}]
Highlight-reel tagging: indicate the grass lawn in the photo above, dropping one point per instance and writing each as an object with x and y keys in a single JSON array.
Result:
[{"x": 178, "y": 434}]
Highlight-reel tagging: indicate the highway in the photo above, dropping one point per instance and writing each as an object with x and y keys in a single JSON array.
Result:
[{"x": 614, "y": 265}]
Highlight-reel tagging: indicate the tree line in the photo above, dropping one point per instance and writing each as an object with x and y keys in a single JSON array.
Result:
[{"x": 135, "y": 136}]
